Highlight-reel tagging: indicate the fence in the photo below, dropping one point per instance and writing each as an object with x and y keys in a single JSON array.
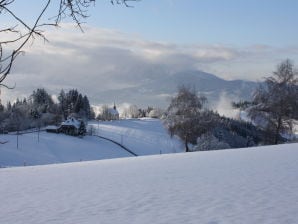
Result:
[{"x": 141, "y": 142}]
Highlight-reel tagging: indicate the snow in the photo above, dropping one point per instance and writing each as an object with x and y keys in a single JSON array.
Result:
[
  {"x": 145, "y": 136},
  {"x": 255, "y": 185},
  {"x": 141, "y": 136},
  {"x": 113, "y": 111},
  {"x": 72, "y": 122},
  {"x": 55, "y": 148},
  {"x": 51, "y": 127}
]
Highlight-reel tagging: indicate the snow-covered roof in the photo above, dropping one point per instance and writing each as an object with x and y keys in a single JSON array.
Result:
[
  {"x": 51, "y": 127},
  {"x": 71, "y": 122},
  {"x": 113, "y": 111}
]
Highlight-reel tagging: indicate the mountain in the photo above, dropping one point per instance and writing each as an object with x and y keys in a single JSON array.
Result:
[{"x": 156, "y": 90}]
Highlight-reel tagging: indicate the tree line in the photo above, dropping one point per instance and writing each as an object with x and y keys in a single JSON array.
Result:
[
  {"x": 132, "y": 111},
  {"x": 39, "y": 109}
]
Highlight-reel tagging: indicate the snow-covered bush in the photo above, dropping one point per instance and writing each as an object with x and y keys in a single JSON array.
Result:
[{"x": 209, "y": 142}]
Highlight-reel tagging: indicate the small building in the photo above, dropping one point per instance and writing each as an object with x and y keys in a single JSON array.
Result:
[
  {"x": 52, "y": 129},
  {"x": 71, "y": 126},
  {"x": 109, "y": 114},
  {"x": 113, "y": 113}
]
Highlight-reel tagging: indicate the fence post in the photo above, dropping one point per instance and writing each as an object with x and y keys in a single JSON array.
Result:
[{"x": 17, "y": 139}]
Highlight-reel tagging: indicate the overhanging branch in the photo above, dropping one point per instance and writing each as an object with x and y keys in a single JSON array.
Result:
[{"x": 18, "y": 35}]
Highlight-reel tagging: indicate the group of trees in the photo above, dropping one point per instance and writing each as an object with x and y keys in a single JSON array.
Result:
[
  {"x": 273, "y": 110},
  {"x": 40, "y": 109},
  {"x": 187, "y": 118},
  {"x": 74, "y": 103},
  {"x": 132, "y": 111}
]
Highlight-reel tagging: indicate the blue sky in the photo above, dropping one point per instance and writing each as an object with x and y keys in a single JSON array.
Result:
[
  {"x": 237, "y": 22},
  {"x": 233, "y": 22}
]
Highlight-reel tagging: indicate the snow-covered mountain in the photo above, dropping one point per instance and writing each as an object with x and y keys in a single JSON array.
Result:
[
  {"x": 255, "y": 185},
  {"x": 155, "y": 90}
]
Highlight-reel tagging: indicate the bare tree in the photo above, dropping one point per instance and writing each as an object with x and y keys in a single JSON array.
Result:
[
  {"x": 131, "y": 112},
  {"x": 276, "y": 101},
  {"x": 185, "y": 116},
  {"x": 14, "y": 37}
]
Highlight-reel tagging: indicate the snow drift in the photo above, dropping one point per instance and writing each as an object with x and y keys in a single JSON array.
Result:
[{"x": 255, "y": 185}]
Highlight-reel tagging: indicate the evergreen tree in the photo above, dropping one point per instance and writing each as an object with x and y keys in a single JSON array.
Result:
[
  {"x": 82, "y": 128},
  {"x": 86, "y": 106},
  {"x": 42, "y": 101},
  {"x": 63, "y": 104},
  {"x": 40, "y": 110},
  {"x": 79, "y": 104}
]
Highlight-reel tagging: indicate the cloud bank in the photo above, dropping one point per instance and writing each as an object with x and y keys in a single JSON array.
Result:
[{"x": 100, "y": 60}]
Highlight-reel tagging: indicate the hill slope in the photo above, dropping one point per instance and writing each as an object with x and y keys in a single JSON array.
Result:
[
  {"x": 145, "y": 136},
  {"x": 141, "y": 136},
  {"x": 54, "y": 148},
  {"x": 256, "y": 185}
]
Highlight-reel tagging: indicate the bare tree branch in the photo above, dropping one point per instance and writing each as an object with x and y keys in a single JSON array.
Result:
[{"x": 18, "y": 35}]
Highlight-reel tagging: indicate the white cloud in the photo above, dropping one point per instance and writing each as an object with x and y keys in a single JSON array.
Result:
[{"x": 101, "y": 60}]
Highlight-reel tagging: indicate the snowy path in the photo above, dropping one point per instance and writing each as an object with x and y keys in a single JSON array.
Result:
[{"x": 249, "y": 186}]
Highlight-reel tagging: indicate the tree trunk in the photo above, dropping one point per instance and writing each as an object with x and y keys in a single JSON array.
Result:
[
  {"x": 277, "y": 131},
  {"x": 18, "y": 139},
  {"x": 186, "y": 144}
]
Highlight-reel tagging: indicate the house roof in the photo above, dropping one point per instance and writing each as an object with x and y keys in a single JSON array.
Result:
[{"x": 71, "y": 122}]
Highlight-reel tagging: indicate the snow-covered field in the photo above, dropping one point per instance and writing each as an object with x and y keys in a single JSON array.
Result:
[
  {"x": 142, "y": 136},
  {"x": 255, "y": 185},
  {"x": 55, "y": 148},
  {"x": 145, "y": 136}
]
